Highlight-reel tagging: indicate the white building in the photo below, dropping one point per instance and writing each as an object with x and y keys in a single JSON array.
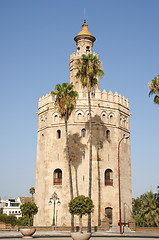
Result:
[{"x": 11, "y": 207}]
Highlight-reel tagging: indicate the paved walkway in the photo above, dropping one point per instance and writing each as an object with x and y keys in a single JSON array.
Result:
[{"x": 47, "y": 235}]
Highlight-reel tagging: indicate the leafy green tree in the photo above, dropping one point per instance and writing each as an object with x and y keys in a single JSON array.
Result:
[
  {"x": 65, "y": 102},
  {"x": 154, "y": 89},
  {"x": 80, "y": 206},
  {"x": 146, "y": 210},
  {"x": 29, "y": 209},
  {"x": 88, "y": 70},
  {"x": 8, "y": 219},
  {"x": 32, "y": 191}
]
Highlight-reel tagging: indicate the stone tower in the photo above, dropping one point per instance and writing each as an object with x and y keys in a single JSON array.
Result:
[{"x": 110, "y": 120}]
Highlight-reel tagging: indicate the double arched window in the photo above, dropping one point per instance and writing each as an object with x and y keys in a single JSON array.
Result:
[
  {"x": 108, "y": 177},
  {"x": 57, "y": 177}
]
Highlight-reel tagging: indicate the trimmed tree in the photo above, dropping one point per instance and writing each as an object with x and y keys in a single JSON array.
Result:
[
  {"x": 65, "y": 103},
  {"x": 28, "y": 210},
  {"x": 81, "y": 206},
  {"x": 89, "y": 68}
]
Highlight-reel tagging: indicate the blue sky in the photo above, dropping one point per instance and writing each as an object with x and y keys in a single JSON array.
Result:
[{"x": 35, "y": 44}]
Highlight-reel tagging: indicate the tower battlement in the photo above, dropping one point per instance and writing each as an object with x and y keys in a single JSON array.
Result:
[
  {"x": 44, "y": 100},
  {"x": 77, "y": 54},
  {"x": 98, "y": 95}
]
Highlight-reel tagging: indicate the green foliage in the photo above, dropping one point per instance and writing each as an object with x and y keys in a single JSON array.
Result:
[
  {"x": 8, "y": 219},
  {"x": 146, "y": 210},
  {"x": 23, "y": 221},
  {"x": 154, "y": 89},
  {"x": 29, "y": 209},
  {"x": 81, "y": 205},
  {"x": 32, "y": 191},
  {"x": 89, "y": 67},
  {"x": 65, "y": 100}
]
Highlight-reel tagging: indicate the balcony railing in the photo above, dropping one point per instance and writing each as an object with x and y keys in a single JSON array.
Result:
[
  {"x": 108, "y": 182},
  {"x": 57, "y": 181}
]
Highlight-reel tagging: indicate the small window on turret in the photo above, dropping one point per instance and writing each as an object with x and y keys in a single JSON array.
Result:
[
  {"x": 87, "y": 49},
  {"x": 78, "y": 49}
]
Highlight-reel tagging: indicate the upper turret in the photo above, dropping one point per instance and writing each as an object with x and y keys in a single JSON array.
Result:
[{"x": 84, "y": 40}]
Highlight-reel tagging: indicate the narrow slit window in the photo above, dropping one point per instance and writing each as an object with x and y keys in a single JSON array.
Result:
[{"x": 83, "y": 132}]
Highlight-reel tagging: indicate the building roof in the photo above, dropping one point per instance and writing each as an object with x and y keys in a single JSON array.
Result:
[
  {"x": 84, "y": 30},
  {"x": 26, "y": 199}
]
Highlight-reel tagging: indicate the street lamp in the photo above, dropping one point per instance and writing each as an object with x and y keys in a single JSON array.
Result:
[
  {"x": 124, "y": 137},
  {"x": 53, "y": 200}
]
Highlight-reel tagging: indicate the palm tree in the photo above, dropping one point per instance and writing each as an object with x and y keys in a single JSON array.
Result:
[
  {"x": 88, "y": 69},
  {"x": 32, "y": 191},
  {"x": 65, "y": 102},
  {"x": 150, "y": 213},
  {"x": 154, "y": 89}
]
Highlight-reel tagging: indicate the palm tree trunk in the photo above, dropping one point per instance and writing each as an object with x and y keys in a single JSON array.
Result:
[
  {"x": 69, "y": 170},
  {"x": 90, "y": 157}
]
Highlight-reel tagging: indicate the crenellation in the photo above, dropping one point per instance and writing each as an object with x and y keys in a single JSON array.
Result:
[
  {"x": 116, "y": 97},
  {"x": 110, "y": 96},
  {"x": 98, "y": 94},
  {"x": 48, "y": 98}
]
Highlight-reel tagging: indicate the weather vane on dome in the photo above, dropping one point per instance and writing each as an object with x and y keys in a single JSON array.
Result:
[{"x": 84, "y": 16}]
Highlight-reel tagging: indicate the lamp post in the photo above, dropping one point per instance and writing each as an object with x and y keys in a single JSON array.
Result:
[
  {"x": 124, "y": 137},
  {"x": 53, "y": 200}
]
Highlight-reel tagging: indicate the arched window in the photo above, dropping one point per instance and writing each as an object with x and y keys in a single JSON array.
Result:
[
  {"x": 103, "y": 116},
  {"x": 108, "y": 177},
  {"x": 111, "y": 117},
  {"x": 55, "y": 118},
  {"x": 108, "y": 135},
  {"x": 57, "y": 177},
  {"x": 58, "y": 134},
  {"x": 83, "y": 132},
  {"x": 87, "y": 49},
  {"x": 79, "y": 116},
  {"x": 109, "y": 214}
]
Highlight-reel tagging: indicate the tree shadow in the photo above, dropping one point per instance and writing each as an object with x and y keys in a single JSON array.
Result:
[
  {"x": 100, "y": 134},
  {"x": 76, "y": 151}
]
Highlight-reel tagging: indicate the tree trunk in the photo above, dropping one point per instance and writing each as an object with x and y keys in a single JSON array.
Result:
[
  {"x": 90, "y": 157},
  {"x": 69, "y": 170},
  {"x": 80, "y": 223}
]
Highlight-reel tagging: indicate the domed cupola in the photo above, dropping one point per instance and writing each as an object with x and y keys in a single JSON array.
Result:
[{"x": 84, "y": 40}]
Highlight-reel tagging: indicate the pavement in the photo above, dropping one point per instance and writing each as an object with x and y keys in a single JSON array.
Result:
[{"x": 101, "y": 235}]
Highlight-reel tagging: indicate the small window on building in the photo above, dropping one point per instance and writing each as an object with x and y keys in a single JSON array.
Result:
[
  {"x": 55, "y": 118},
  {"x": 87, "y": 49},
  {"x": 83, "y": 154},
  {"x": 58, "y": 134},
  {"x": 83, "y": 132},
  {"x": 109, "y": 214},
  {"x": 103, "y": 116},
  {"x": 108, "y": 135},
  {"x": 108, "y": 177},
  {"x": 78, "y": 49},
  {"x": 57, "y": 177},
  {"x": 111, "y": 117},
  {"x": 79, "y": 116}
]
